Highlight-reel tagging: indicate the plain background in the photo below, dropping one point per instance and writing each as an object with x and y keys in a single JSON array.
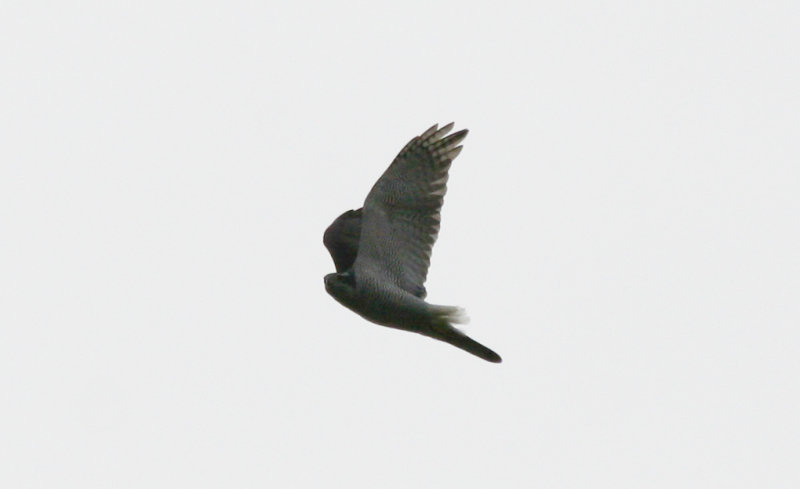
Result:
[{"x": 622, "y": 227}]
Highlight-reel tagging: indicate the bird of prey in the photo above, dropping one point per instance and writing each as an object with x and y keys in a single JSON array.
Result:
[{"x": 382, "y": 251}]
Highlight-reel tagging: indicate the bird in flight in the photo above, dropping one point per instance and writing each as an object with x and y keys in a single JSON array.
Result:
[{"x": 382, "y": 251}]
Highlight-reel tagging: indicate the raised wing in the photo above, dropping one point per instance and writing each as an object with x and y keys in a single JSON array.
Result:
[
  {"x": 341, "y": 239},
  {"x": 400, "y": 221}
]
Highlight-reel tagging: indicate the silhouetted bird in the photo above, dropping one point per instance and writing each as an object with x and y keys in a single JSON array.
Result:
[{"x": 382, "y": 251}]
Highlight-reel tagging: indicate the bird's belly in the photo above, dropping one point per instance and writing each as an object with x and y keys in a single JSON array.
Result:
[{"x": 408, "y": 313}]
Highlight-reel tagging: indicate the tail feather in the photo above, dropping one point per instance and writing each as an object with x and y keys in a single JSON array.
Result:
[
  {"x": 444, "y": 331},
  {"x": 460, "y": 340}
]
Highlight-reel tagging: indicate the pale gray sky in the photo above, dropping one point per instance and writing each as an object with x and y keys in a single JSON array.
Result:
[{"x": 622, "y": 227}]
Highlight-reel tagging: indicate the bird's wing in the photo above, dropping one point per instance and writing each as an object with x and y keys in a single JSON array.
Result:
[
  {"x": 341, "y": 239},
  {"x": 401, "y": 216}
]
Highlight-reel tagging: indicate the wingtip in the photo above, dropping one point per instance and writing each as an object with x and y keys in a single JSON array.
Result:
[
  {"x": 455, "y": 138},
  {"x": 428, "y": 132},
  {"x": 446, "y": 128}
]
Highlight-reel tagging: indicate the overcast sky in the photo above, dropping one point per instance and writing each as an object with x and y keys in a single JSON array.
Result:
[{"x": 622, "y": 227}]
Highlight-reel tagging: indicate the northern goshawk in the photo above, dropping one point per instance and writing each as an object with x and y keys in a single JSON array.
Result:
[{"x": 382, "y": 251}]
